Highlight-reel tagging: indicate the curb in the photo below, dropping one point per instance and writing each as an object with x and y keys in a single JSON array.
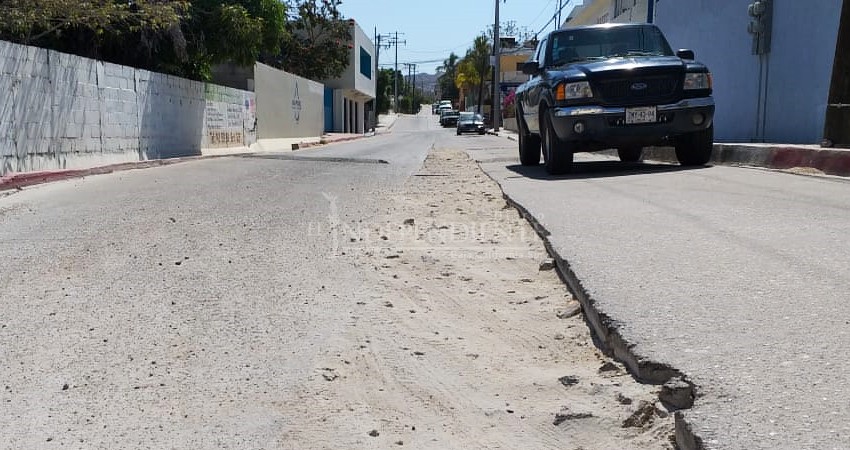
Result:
[
  {"x": 677, "y": 391},
  {"x": 830, "y": 161},
  {"x": 301, "y": 146},
  {"x": 779, "y": 156}
]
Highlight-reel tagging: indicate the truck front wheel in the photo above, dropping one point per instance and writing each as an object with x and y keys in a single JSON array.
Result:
[
  {"x": 694, "y": 149},
  {"x": 557, "y": 154}
]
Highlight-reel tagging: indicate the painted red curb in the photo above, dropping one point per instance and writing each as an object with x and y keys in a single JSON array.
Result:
[
  {"x": 831, "y": 162},
  {"x": 23, "y": 179},
  {"x": 779, "y": 156}
]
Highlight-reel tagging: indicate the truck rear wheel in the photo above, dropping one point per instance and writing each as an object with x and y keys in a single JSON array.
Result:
[
  {"x": 557, "y": 154},
  {"x": 529, "y": 145},
  {"x": 694, "y": 149}
]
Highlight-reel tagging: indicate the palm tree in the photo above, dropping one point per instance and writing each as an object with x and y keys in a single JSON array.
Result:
[
  {"x": 466, "y": 77},
  {"x": 447, "y": 79},
  {"x": 479, "y": 55}
]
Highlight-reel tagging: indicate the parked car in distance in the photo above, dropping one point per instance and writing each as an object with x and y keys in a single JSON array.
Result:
[
  {"x": 613, "y": 86},
  {"x": 448, "y": 118},
  {"x": 470, "y": 122}
]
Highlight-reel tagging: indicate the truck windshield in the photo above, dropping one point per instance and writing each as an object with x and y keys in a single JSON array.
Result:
[{"x": 607, "y": 42}]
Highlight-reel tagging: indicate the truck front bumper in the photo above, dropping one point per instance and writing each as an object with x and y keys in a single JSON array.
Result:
[{"x": 606, "y": 126}]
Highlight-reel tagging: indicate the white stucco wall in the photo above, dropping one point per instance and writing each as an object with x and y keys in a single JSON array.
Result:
[
  {"x": 352, "y": 81},
  {"x": 362, "y": 83},
  {"x": 59, "y": 111},
  {"x": 288, "y": 106},
  {"x": 795, "y": 75}
]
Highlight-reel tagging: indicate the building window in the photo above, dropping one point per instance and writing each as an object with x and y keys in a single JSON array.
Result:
[
  {"x": 603, "y": 19},
  {"x": 365, "y": 63}
]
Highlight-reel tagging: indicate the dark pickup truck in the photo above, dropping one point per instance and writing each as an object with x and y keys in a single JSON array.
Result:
[{"x": 613, "y": 86}]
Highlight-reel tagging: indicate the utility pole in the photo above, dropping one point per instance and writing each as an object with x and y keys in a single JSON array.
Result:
[
  {"x": 411, "y": 83},
  {"x": 650, "y": 11},
  {"x": 496, "y": 72},
  {"x": 560, "y": 7},
  {"x": 394, "y": 41},
  {"x": 381, "y": 41},
  {"x": 413, "y": 99}
]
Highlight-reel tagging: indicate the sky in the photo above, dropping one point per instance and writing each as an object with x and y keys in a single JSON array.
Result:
[{"x": 435, "y": 28}]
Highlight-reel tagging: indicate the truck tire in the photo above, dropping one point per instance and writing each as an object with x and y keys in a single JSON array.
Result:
[
  {"x": 557, "y": 154},
  {"x": 529, "y": 145},
  {"x": 630, "y": 154},
  {"x": 694, "y": 149}
]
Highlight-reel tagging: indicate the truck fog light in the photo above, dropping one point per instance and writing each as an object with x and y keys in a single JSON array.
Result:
[
  {"x": 579, "y": 127},
  {"x": 698, "y": 119}
]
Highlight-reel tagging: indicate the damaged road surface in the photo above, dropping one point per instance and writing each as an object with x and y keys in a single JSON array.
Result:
[
  {"x": 301, "y": 304},
  {"x": 727, "y": 285}
]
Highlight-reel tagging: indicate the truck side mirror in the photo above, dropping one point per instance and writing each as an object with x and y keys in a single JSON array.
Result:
[
  {"x": 685, "y": 54},
  {"x": 531, "y": 67}
]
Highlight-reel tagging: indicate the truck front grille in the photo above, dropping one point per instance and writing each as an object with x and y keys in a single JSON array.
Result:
[{"x": 639, "y": 90}]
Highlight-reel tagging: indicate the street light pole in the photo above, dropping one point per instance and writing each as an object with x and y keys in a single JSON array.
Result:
[{"x": 496, "y": 72}]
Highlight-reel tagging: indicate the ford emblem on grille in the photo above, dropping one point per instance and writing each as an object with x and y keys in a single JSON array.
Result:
[{"x": 639, "y": 86}]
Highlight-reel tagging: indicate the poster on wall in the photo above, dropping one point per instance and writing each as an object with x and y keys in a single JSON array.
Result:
[{"x": 229, "y": 117}]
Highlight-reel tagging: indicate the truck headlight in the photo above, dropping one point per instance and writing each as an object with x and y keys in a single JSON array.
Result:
[
  {"x": 695, "y": 81},
  {"x": 573, "y": 91}
]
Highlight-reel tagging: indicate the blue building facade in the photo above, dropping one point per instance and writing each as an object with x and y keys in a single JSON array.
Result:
[{"x": 780, "y": 96}]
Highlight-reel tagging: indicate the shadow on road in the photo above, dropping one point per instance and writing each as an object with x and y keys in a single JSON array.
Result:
[{"x": 600, "y": 169}]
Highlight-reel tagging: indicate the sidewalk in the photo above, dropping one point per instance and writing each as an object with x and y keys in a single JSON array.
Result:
[
  {"x": 829, "y": 161},
  {"x": 23, "y": 179}
]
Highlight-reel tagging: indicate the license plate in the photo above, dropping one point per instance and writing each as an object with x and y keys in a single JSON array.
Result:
[{"x": 644, "y": 114}]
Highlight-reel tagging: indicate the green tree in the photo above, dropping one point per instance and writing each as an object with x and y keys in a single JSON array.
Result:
[
  {"x": 318, "y": 43},
  {"x": 384, "y": 90},
  {"x": 238, "y": 31},
  {"x": 181, "y": 37},
  {"x": 466, "y": 77},
  {"x": 446, "y": 81},
  {"x": 30, "y": 21},
  {"x": 479, "y": 57},
  {"x": 220, "y": 31}
]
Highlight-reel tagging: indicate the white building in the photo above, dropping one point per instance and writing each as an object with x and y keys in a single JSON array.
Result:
[{"x": 350, "y": 99}]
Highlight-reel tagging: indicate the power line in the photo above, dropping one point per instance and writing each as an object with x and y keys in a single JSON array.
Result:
[
  {"x": 555, "y": 16},
  {"x": 393, "y": 41},
  {"x": 533, "y": 21}
]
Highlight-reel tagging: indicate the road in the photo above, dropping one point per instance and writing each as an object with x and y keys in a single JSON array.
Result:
[
  {"x": 372, "y": 294},
  {"x": 736, "y": 278}
]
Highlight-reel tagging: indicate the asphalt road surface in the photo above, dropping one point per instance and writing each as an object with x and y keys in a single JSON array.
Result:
[
  {"x": 143, "y": 307},
  {"x": 353, "y": 296},
  {"x": 737, "y": 277},
  {"x": 211, "y": 304}
]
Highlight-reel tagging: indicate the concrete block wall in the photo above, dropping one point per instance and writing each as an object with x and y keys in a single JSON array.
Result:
[
  {"x": 59, "y": 111},
  {"x": 171, "y": 115},
  {"x": 229, "y": 117}
]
